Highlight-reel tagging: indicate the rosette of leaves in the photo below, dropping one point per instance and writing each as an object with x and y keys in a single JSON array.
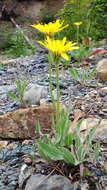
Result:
[{"x": 66, "y": 146}]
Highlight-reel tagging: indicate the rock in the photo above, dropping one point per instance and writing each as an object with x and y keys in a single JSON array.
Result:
[
  {"x": 7, "y": 88},
  {"x": 33, "y": 95},
  {"x": 103, "y": 42},
  {"x": 20, "y": 124},
  {"x": 3, "y": 144},
  {"x": 25, "y": 173},
  {"x": 102, "y": 70},
  {"x": 105, "y": 167},
  {"x": 16, "y": 154},
  {"x": 8, "y": 178},
  {"x": 12, "y": 70},
  {"x": 101, "y": 128},
  {"x": 8, "y": 62},
  {"x": 27, "y": 159},
  {"x": 27, "y": 142},
  {"x": 42, "y": 182},
  {"x": 103, "y": 90}
]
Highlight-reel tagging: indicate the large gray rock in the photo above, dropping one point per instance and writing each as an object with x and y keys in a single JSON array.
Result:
[
  {"x": 102, "y": 70},
  {"x": 33, "y": 95},
  {"x": 42, "y": 182}
]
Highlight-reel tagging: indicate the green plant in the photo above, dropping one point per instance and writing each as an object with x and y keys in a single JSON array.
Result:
[
  {"x": 83, "y": 52},
  {"x": 93, "y": 15},
  {"x": 17, "y": 46},
  {"x": 84, "y": 75},
  {"x": 57, "y": 50},
  {"x": 76, "y": 11},
  {"x": 20, "y": 89},
  {"x": 77, "y": 24},
  {"x": 67, "y": 146},
  {"x": 99, "y": 15}
]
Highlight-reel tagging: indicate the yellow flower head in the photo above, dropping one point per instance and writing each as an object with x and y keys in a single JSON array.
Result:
[
  {"x": 50, "y": 28},
  {"x": 59, "y": 47},
  {"x": 77, "y": 23}
]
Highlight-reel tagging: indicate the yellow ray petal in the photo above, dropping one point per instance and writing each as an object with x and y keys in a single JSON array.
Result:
[{"x": 65, "y": 56}]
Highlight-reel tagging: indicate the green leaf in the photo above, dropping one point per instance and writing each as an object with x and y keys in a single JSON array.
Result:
[
  {"x": 12, "y": 95},
  {"x": 61, "y": 128},
  {"x": 67, "y": 155},
  {"x": 74, "y": 73},
  {"x": 38, "y": 127},
  {"x": 81, "y": 153},
  {"x": 89, "y": 136},
  {"x": 50, "y": 151},
  {"x": 68, "y": 140},
  {"x": 65, "y": 63},
  {"x": 96, "y": 151}
]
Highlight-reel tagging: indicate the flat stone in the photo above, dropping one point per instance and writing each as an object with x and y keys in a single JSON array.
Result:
[
  {"x": 42, "y": 182},
  {"x": 20, "y": 124}
]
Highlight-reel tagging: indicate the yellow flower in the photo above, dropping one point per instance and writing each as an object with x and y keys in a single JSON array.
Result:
[
  {"x": 59, "y": 47},
  {"x": 50, "y": 28},
  {"x": 77, "y": 23}
]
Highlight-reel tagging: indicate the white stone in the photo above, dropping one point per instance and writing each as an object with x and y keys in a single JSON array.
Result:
[{"x": 33, "y": 95}]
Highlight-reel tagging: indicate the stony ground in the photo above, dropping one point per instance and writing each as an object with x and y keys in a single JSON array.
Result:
[{"x": 16, "y": 165}]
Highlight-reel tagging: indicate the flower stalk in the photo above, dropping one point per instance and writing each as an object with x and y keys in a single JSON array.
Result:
[
  {"x": 57, "y": 49},
  {"x": 78, "y": 27},
  {"x": 77, "y": 34},
  {"x": 58, "y": 91},
  {"x": 50, "y": 61}
]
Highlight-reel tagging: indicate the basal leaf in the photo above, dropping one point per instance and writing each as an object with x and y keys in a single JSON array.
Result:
[
  {"x": 67, "y": 155},
  {"x": 50, "y": 150},
  {"x": 68, "y": 140}
]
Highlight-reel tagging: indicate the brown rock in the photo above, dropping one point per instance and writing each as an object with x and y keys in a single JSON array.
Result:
[
  {"x": 102, "y": 70},
  {"x": 20, "y": 124}
]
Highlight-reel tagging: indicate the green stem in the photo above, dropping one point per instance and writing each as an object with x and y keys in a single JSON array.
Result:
[
  {"x": 50, "y": 78},
  {"x": 58, "y": 90},
  {"x": 77, "y": 34}
]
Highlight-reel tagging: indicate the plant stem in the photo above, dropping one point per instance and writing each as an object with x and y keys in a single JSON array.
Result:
[
  {"x": 77, "y": 34},
  {"x": 81, "y": 169},
  {"x": 50, "y": 78},
  {"x": 58, "y": 91}
]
